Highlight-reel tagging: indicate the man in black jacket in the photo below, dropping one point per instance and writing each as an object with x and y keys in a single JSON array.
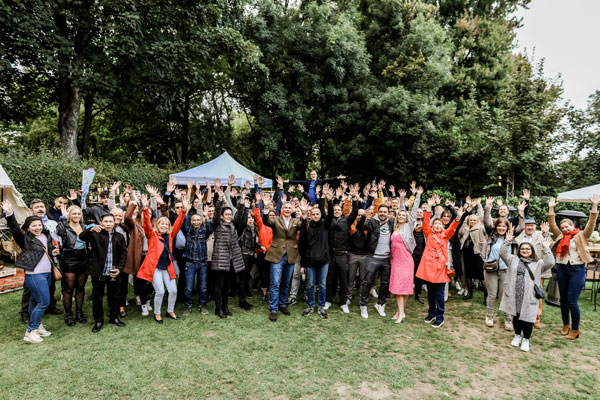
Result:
[
  {"x": 106, "y": 260},
  {"x": 339, "y": 234},
  {"x": 97, "y": 211},
  {"x": 379, "y": 233}
]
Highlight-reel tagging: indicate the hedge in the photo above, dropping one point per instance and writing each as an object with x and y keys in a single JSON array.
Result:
[{"x": 46, "y": 174}]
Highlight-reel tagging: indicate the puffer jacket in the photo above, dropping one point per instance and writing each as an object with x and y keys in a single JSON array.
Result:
[{"x": 226, "y": 248}]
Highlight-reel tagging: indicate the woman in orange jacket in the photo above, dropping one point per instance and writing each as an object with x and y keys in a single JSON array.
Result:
[
  {"x": 159, "y": 265},
  {"x": 434, "y": 264}
]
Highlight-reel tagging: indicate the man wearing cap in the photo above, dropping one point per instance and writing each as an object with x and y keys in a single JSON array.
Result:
[{"x": 530, "y": 235}]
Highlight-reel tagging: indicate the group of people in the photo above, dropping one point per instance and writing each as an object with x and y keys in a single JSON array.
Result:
[{"x": 208, "y": 240}]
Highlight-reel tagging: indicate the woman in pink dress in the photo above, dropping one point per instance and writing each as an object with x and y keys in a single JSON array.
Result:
[{"x": 403, "y": 265}]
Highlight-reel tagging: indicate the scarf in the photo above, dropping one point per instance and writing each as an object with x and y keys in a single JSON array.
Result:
[{"x": 562, "y": 250}]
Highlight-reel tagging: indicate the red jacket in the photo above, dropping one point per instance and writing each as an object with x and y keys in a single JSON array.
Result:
[
  {"x": 265, "y": 234},
  {"x": 433, "y": 263},
  {"x": 156, "y": 247}
]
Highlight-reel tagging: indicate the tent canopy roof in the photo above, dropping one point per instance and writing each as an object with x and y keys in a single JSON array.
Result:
[
  {"x": 581, "y": 195},
  {"x": 220, "y": 167}
]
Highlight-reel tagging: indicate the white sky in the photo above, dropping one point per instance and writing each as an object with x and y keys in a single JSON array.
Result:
[{"x": 565, "y": 33}]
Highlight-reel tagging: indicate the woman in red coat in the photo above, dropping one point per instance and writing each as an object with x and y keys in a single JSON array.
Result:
[
  {"x": 158, "y": 266},
  {"x": 433, "y": 267}
]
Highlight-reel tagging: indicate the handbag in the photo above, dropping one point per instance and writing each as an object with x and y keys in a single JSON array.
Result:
[
  {"x": 538, "y": 291},
  {"x": 490, "y": 266},
  {"x": 451, "y": 271},
  {"x": 56, "y": 272}
]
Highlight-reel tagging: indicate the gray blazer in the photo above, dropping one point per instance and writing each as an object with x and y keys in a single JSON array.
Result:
[
  {"x": 529, "y": 308},
  {"x": 408, "y": 229}
]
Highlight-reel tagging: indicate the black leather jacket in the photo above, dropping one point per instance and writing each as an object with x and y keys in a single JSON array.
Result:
[
  {"x": 67, "y": 235},
  {"x": 32, "y": 249}
]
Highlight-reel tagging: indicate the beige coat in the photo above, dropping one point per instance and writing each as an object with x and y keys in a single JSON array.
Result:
[
  {"x": 478, "y": 237},
  {"x": 580, "y": 239},
  {"x": 284, "y": 240},
  {"x": 530, "y": 305}
]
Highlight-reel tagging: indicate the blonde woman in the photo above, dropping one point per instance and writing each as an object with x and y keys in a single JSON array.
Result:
[
  {"x": 159, "y": 265},
  {"x": 73, "y": 262},
  {"x": 403, "y": 265}
]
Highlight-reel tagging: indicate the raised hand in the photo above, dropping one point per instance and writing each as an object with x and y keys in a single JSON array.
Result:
[
  {"x": 115, "y": 186},
  {"x": 187, "y": 205},
  {"x": 459, "y": 213},
  {"x": 217, "y": 184},
  {"x": 510, "y": 235},
  {"x": 361, "y": 212},
  {"x": 552, "y": 202},
  {"x": 303, "y": 205},
  {"x": 261, "y": 180},
  {"x": 283, "y": 198},
  {"x": 197, "y": 185},
  {"x": 595, "y": 199},
  {"x": 468, "y": 199},
  {"x": 144, "y": 200},
  {"x": 344, "y": 185},
  {"x": 170, "y": 186},
  {"x": 547, "y": 242},
  {"x": 207, "y": 184},
  {"x": 447, "y": 203},
  {"x": 437, "y": 199},
  {"x": 499, "y": 202},
  {"x": 476, "y": 202},
  {"x": 338, "y": 192},
  {"x": 420, "y": 191},
  {"x": 329, "y": 195},
  {"x": 233, "y": 192},
  {"x": 6, "y": 206},
  {"x": 231, "y": 180},
  {"x": 267, "y": 200},
  {"x": 177, "y": 194},
  {"x": 317, "y": 189},
  {"x": 189, "y": 184},
  {"x": 521, "y": 207},
  {"x": 63, "y": 210},
  {"x": 526, "y": 195},
  {"x": 489, "y": 201},
  {"x": 247, "y": 185},
  {"x": 413, "y": 187},
  {"x": 341, "y": 177},
  {"x": 402, "y": 193},
  {"x": 291, "y": 188},
  {"x": 255, "y": 177},
  {"x": 545, "y": 227},
  {"x": 431, "y": 202},
  {"x": 392, "y": 189}
]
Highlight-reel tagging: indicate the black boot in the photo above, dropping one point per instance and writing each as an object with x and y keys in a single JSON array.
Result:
[
  {"x": 80, "y": 317},
  {"x": 226, "y": 310},
  {"x": 69, "y": 320},
  {"x": 219, "y": 312},
  {"x": 418, "y": 299}
]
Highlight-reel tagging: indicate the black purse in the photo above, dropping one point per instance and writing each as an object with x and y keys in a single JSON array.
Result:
[{"x": 538, "y": 291}]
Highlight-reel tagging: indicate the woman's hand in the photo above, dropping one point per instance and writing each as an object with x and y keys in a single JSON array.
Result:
[
  {"x": 547, "y": 242},
  {"x": 552, "y": 203},
  {"x": 545, "y": 227},
  {"x": 510, "y": 235},
  {"x": 55, "y": 252},
  {"x": 144, "y": 199},
  {"x": 6, "y": 206}
]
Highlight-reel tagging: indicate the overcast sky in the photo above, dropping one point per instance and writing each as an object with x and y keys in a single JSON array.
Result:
[{"x": 565, "y": 33}]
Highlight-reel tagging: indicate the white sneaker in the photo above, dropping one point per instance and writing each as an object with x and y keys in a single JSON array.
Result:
[
  {"x": 345, "y": 309},
  {"x": 516, "y": 341},
  {"x": 138, "y": 301},
  {"x": 32, "y": 337},
  {"x": 461, "y": 292},
  {"x": 508, "y": 325},
  {"x": 424, "y": 287},
  {"x": 363, "y": 312},
  {"x": 145, "y": 312},
  {"x": 42, "y": 331},
  {"x": 380, "y": 309},
  {"x": 373, "y": 293},
  {"x": 327, "y": 305},
  {"x": 458, "y": 287},
  {"x": 148, "y": 305},
  {"x": 525, "y": 345},
  {"x": 489, "y": 321}
]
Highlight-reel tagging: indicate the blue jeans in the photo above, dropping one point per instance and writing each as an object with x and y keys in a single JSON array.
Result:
[
  {"x": 39, "y": 285},
  {"x": 437, "y": 305},
  {"x": 571, "y": 280},
  {"x": 311, "y": 274},
  {"x": 281, "y": 274},
  {"x": 200, "y": 272}
]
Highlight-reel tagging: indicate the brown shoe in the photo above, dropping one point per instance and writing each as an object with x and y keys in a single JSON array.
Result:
[
  {"x": 273, "y": 316},
  {"x": 565, "y": 330},
  {"x": 537, "y": 324},
  {"x": 284, "y": 310},
  {"x": 572, "y": 335}
]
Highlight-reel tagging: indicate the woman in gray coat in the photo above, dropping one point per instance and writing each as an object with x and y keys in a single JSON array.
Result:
[{"x": 518, "y": 298}]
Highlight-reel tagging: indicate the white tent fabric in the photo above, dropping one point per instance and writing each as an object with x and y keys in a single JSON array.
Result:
[
  {"x": 219, "y": 168},
  {"x": 10, "y": 193},
  {"x": 582, "y": 195}
]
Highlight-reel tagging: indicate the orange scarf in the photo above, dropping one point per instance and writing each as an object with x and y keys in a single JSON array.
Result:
[{"x": 562, "y": 250}]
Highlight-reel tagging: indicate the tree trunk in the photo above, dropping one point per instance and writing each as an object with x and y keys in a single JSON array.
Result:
[
  {"x": 87, "y": 125},
  {"x": 69, "y": 101},
  {"x": 185, "y": 124}
]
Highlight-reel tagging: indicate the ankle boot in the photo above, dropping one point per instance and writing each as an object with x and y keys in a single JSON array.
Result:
[
  {"x": 80, "y": 317},
  {"x": 69, "y": 320},
  {"x": 226, "y": 310},
  {"x": 565, "y": 330},
  {"x": 574, "y": 334}
]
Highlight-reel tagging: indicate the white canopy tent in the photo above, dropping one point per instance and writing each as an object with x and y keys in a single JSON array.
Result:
[
  {"x": 581, "y": 195},
  {"x": 219, "y": 168},
  {"x": 10, "y": 193}
]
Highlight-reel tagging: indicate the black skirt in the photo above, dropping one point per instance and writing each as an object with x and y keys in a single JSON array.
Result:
[
  {"x": 473, "y": 263},
  {"x": 73, "y": 261}
]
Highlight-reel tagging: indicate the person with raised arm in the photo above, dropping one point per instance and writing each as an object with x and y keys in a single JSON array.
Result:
[
  {"x": 524, "y": 272},
  {"x": 283, "y": 252},
  {"x": 434, "y": 268},
  {"x": 309, "y": 186},
  {"x": 570, "y": 249}
]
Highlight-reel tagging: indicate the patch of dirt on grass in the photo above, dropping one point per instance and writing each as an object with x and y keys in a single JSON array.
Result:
[
  {"x": 366, "y": 390},
  {"x": 208, "y": 333}
]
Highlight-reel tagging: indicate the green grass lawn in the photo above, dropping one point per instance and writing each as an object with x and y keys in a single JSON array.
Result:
[{"x": 248, "y": 357}]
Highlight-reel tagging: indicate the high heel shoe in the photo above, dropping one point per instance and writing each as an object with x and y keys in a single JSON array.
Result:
[
  {"x": 400, "y": 319},
  {"x": 158, "y": 321}
]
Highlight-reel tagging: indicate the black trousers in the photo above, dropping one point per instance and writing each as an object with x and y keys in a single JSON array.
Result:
[
  {"x": 27, "y": 295},
  {"x": 522, "y": 328},
  {"x": 112, "y": 297},
  {"x": 221, "y": 282},
  {"x": 265, "y": 271},
  {"x": 142, "y": 288},
  {"x": 178, "y": 254},
  {"x": 418, "y": 281},
  {"x": 244, "y": 277},
  {"x": 372, "y": 267},
  {"x": 123, "y": 288},
  {"x": 337, "y": 273}
]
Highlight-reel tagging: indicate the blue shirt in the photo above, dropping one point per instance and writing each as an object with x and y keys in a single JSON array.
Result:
[
  {"x": 312, "y": 195},
  {"x": 495, "y": 253}
]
